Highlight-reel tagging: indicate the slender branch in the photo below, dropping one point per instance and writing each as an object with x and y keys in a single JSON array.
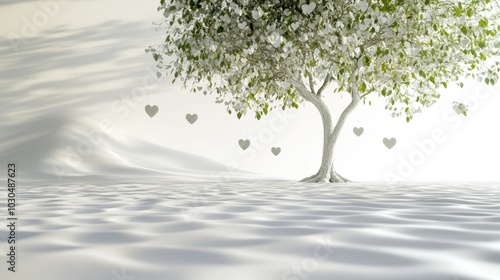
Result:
[
  {"x": 352, "y": 105},
  {"x": 311, "y": 84},
  {"x": 364, "y": 95},
  {"x": 303, "y": 91},
  {"x": 325, "y": 84}
]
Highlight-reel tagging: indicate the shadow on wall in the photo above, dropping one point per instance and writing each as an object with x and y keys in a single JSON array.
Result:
[
  {"x": 64, "y": 72},
  {"x": 61, "y": 76},
  {"x": 10, "y": 2}
]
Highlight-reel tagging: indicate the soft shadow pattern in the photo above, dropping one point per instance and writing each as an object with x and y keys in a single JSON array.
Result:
[
  {"x": 52, "y": 98},
  {"x": 269, "y": 230},
  {"x": 10, "y": 2}
]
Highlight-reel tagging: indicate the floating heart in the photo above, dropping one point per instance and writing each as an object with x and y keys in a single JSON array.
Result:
[
  {"x": 389, "y": 143},
  {"x": 244, "y": 144},
  {"x": 358, "y": 131},
  {"x": 151, "y": 110},
  {"x": 307, "y": 9},
  {"x": 460, "y": 109},
  {"x": 276, "y": 150},
  {"x": 191, "y": 118}
]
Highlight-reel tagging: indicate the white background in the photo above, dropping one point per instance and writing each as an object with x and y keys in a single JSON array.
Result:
[{"x": 85, "y": 59}]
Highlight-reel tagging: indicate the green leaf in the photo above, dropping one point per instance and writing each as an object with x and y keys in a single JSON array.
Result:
[
  {"x": 220, "y": 29},
  {"x": 362, "y": 87},
  {"x": 445, "y": 85},
  {"x": 422, "y": 73},
  {"x": 469, "y": 12},
  {"x": 366, "y": 61},
  {"x": 432, "y": 80},
  {"x": 483, "y": 23},
  {"x": 239, "y": 115},
  {"x": 464, "y": 30}
]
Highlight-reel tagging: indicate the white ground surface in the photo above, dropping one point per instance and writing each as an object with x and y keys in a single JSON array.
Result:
[{"x": 269, "y": 230}]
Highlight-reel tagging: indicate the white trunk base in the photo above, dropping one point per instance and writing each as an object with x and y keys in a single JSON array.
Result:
[{"x": 332, "y": 177}]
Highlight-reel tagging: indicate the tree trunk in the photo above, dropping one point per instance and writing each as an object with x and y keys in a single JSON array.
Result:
[{"x": 326, "y": 172}]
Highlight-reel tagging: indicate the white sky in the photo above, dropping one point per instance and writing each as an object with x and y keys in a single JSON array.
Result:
[{"x": 89, "y": 56}]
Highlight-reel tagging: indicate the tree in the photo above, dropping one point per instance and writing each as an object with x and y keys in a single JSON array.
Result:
[{"x": 258, "y": 55}]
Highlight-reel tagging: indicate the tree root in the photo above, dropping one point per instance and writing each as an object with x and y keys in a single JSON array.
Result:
[
  {"x": 317, "y": 179},
  {"x": 333, "y": 177},
  {"x": 340, "y": 178},
  {"x": 310, "y": 177}
]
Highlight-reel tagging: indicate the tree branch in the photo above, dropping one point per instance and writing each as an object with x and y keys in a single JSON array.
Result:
[
  {"x": 301, "y": 88},
  {"x": 364, "y": 95},
  {"x": 311, "y": 84},
  {"x": 325, "y": 84}
]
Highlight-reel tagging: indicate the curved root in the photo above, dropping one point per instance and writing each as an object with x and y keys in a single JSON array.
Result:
[
  {"x": 310, "y": 177},
  {"x": 337, "y": 178},
  {"x": 333, "y": 177}
]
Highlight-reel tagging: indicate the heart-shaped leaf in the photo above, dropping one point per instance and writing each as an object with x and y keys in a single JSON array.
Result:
[
  {"x": 242, "y": 25},
  {"x": 307, "y": 9}
]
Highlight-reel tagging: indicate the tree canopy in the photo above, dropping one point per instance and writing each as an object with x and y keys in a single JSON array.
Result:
[{"x": 252, "y": 53}]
